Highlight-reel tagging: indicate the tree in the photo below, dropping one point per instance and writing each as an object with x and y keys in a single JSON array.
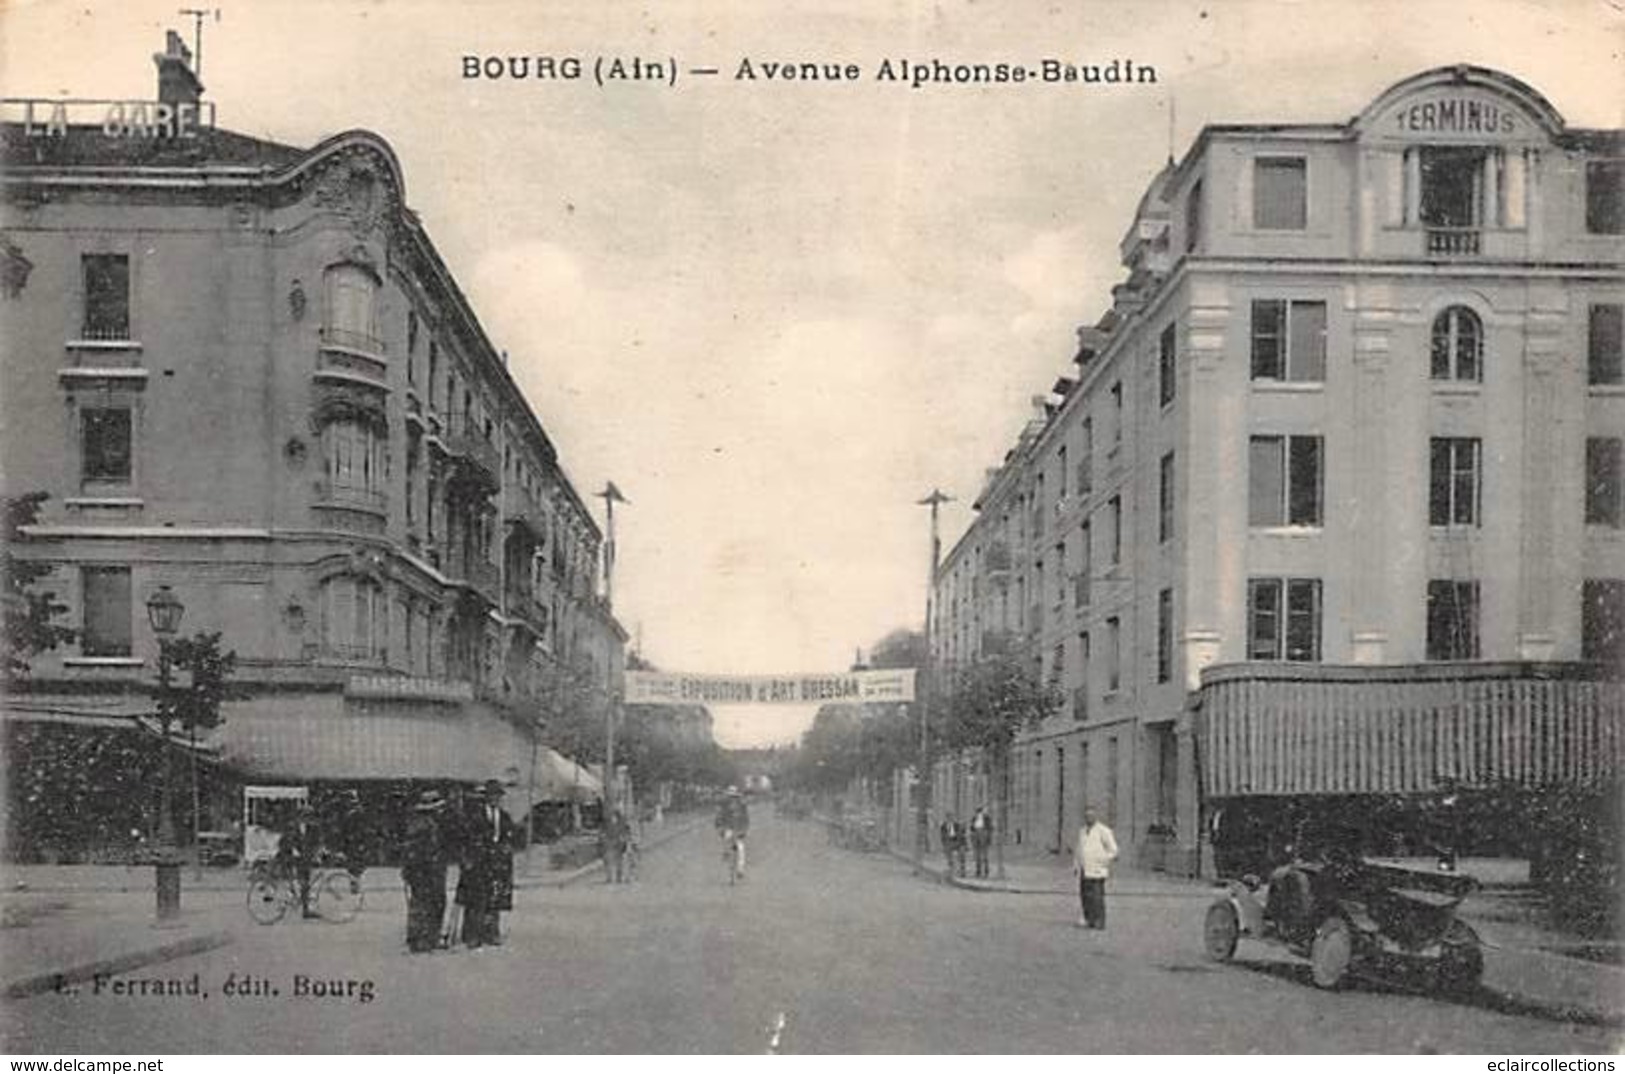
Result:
[
  {"x": 28, "y": 614},
  {"x": 992, "y": 700},
  {"x": 189, "y": 708}
]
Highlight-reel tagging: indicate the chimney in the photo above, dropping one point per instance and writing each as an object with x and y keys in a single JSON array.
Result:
[{"x": 177, "y": 83}]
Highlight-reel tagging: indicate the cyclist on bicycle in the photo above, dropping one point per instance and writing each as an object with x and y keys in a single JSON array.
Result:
[{"x": 733, "y": 822}]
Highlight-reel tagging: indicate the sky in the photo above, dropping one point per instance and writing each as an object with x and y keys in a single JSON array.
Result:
[{"x": 777, "y": 314}]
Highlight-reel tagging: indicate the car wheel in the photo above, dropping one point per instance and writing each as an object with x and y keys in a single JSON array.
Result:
[
  {"x": 1331, "y": 952},
  {"x": 1221, "y": 931},
  {"x": 1461, "y": 963}
]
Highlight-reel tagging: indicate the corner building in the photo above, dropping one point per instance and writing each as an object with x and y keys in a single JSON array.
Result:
[
  {"x": 1330, "y": 507},
  {"x": 241, "y": 370}
]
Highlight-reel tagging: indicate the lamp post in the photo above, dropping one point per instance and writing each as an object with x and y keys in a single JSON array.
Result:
[
  {"x": 922, "y": 821},
  {"x": 164, "y": 612}
]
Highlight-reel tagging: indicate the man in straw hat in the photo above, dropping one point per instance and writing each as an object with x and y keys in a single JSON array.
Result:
[
  {"x": 423, "y": 868},
  {"x": 485, "y": 888}
]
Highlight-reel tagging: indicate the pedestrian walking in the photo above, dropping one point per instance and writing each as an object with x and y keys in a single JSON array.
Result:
[
  {"x": 485, "y": 887},
  {"x": 423, "y": 868},
  {"x": 616, "y": 836},
  {"x": 1092, "y": 858},
  {"x": 981, "y": 838},
  {"x": 952, "y": 834}
]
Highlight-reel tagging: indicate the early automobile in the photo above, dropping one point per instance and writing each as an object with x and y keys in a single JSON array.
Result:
[{"x": 1357, "y": 917}]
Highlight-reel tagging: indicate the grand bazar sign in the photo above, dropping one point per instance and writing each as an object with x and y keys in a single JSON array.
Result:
[{"x": 666, "y": 688}]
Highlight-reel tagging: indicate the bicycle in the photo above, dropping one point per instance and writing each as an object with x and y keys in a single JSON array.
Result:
[
  {"x": 335, "y": 893},
  {"x": 733, "y": 855}
]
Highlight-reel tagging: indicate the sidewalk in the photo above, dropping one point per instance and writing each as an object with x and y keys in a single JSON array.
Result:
[
  {"x": 1528, "y": 965},
  {"x": 64, "y": 924}
]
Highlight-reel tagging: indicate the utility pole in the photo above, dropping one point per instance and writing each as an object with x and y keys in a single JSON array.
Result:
[
  {"x": 611, "y": 496},
  {"x": 922, "y": 820}
]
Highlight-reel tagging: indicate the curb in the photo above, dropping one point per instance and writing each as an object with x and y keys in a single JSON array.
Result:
[
  {"x": 565, "y": 879},
  {"x": 58, "y": 979}
]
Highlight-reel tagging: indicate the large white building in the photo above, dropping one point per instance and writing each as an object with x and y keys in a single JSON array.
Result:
[{"x": 1350, "y": 435}]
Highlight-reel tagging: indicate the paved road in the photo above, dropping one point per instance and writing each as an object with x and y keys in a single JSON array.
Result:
[{"x": 847, "y": 952}]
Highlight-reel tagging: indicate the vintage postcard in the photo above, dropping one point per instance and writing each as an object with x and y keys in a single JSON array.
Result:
[{"x": 813, "y": 528}]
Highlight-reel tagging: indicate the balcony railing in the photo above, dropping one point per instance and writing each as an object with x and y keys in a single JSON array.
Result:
[
  {"x": 478, "y": 575},
  {"x": 351, "y": 340},
  {"x": 329, "y": 494},
  {"x": 1453, "y": 241},
  {"x": 476, "y": 458},
  {"x": 106, "y": 331}
]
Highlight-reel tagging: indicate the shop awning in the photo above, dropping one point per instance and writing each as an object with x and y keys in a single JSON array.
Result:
[{"x": 328, "y": 737}]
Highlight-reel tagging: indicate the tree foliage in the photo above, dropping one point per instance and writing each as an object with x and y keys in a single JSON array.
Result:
[
  {"x": 195, "y": 706},
  {"x": 28, "y": 614},
  {"x": 991, "y": 701}
]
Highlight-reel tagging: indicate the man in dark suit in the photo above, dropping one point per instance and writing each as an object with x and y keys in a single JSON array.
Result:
[
  {"x": 981, "y": 837},
  {"x": 423, "y": 868},
  {"x": 485, "y": 888}
]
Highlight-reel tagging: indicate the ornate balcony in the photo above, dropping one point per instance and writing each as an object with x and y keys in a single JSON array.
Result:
[
  {"x": 474, "y": 460},
  {"x": 352, "y": 357},
  {"x": 474, "y": 574}
]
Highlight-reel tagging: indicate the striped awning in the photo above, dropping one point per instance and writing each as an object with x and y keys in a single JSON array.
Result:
[{"x": 328, "y": 737}]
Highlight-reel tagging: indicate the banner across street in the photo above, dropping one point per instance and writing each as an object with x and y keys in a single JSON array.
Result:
[{"x": 669, "y": 688}]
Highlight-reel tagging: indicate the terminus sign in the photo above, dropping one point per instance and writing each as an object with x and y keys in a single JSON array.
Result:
[
  {"x": 663, "y": 688},
  {"x": 46, "y": 118}
]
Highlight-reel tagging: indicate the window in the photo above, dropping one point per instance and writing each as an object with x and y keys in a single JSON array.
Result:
[
  {"x": 411, "y": 346},
  {"x": 1289, "y": 340},
  {"x": 1602, "y": 481},
  {"x": 1167, "y": 365},
  {"x": 1080, "y": 581},
  {"x": 1605, "y": 197},
  {"x": 1061, "y": 474},
  {"x": 1452, "y": 620},
  {"x": 104, "y": 444},
  {"x": 1458, "y": 345},
  {"x": 1165, "y": 635},
  {"x": 1117, "y": 415},
  {"x": 1086, "y": 479},
  {"x": 1193, "y": 217},
  {"x": 1603, "y": 351},
  {"x": 106, "y": 624},
  {"x": 1602, "y": 621},
  {"x": 1283, "y": 619},
  {"x": 1057, "y": 664},
  {"x": 1114, "y": 508},
  {"x": 355, "y": 622},
  {"x": 1283, "y": 481},
  {"x": 1452, "y": 186},
  {"x": 1060, "y": 572},
  {"x": 1114, "y": 652},
  {"x": 1453, "y": 489},
  {"x": 1165, "y": 499},
  {"x": 1280, "y": 193},
  {"x": 434, "y": 369},
  {"x": 107, "y": 296},
  {"x": 350, "y": 293},
  {"x": 1080, "y": 696},
  {"x": 354, "y": 459}
]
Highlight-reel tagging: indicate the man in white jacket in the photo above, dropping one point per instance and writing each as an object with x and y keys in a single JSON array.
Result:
[{"x": 1092, "y": 858}]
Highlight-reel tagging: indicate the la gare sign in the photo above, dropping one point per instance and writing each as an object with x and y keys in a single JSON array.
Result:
[{"x": 117, "y": 119}]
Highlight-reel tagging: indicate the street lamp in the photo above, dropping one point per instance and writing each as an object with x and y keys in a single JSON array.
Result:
[
  {"x": 611, "y": 496},
  {"x": 164, "y": 612}
]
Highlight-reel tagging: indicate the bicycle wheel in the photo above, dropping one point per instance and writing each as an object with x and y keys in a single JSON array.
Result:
[
  {"x": 339, "y": 897},
  {"x": 267, "y": 900}
]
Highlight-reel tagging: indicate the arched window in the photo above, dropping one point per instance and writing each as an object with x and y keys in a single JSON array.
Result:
[
  {"x": 1458, "y": 345},
  {"x": 351, "y": 291},
  {"x": 355, "y": 619}
]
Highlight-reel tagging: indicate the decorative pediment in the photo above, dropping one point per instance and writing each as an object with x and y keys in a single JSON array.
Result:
[
  {"x": 358, "y": 184},
  {"x": 1463, "y": 103}
]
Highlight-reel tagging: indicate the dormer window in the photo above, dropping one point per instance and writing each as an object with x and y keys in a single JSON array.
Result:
[{"x": 1452, "y": 186}]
